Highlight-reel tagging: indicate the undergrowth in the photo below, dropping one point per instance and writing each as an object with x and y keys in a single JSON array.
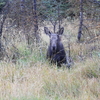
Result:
[{"x": 26, "y": 74}]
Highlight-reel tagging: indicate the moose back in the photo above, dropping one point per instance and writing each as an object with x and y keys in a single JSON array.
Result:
[{"x": 55, "y": 53}]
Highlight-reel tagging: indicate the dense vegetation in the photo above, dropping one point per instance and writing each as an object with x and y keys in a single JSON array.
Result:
[{"x": 25, "y": 73}]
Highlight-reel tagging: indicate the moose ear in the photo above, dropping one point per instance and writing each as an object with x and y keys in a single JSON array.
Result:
[
  {"x": 61, "y": 30},
  {"x": 46, "y": 30}
]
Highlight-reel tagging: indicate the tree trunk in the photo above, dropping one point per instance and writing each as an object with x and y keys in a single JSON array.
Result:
[
  {"x": 23, "y": 20},
  {"x": 1, "y": 28},
  {"x": 81, "y": 21},
  {"x": 35, "y": 34},
  {"x": 22, "y": 5},
  {"x": 22, "y": 10},
  {"x": 59, "y": 19},
  {"x": 3, "y": 14}
]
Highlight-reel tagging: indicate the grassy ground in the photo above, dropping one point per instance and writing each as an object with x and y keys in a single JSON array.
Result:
[
  {"x": 31, "y": 77},
  {"x": 40, "y": 81}
]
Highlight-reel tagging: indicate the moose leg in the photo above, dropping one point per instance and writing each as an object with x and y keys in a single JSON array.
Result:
[
  {"x": 58, "y": 65},
  {"x": 58, "y": 62}
]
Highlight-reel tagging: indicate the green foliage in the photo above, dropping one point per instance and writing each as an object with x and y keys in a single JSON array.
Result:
[
  {"x": 28, "y": 55},
  {"x": 52, "y": 9},
  {"x": 2, "y": 3}
]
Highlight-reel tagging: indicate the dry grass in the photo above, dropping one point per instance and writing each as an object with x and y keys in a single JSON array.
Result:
[
  {"x": 41, "y": 81},
  {"x": 33, "y": 78}
]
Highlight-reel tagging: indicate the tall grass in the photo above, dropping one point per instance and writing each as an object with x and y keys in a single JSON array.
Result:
[
  {"x": 31, "y": 77},
  {"x": 41, "y": 82}
]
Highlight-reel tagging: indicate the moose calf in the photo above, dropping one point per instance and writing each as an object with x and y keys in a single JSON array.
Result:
[{"x": 56, "y": 52}]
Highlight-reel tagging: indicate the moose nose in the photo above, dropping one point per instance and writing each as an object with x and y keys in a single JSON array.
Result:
[{"x": 54, "y": 48}]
